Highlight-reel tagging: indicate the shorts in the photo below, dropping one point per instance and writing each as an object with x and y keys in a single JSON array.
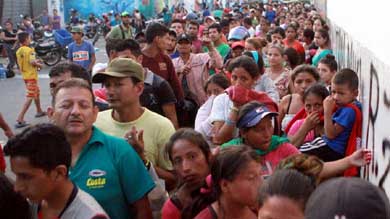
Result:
[{"x": 32, "y": 88}]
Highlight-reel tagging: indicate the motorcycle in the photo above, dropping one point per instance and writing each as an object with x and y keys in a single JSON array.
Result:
[{"x": 101, "y": 30}]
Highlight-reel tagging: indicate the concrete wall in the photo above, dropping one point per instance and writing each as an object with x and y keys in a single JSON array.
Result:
[{"x": 360, "y": 40}]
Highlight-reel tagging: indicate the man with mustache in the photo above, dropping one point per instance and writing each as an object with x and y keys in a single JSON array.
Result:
[{"x": 106, "y": 167}]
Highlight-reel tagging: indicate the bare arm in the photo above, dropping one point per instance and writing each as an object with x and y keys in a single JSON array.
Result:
[
  {"x": 93, "y": 60},
  {"x": 223, "y": 131},
  {"x": 332, "y": 130},
  {"x": 170, "y": 112},
  {"x": 282, "y": 109},
  {"x": 309, "y": 124},
  {"x": 142, "y": 208},
  {"x": 334, "y": 168},
  {"x": 216, "y": 60},
  {"x": 167, "y": 176},
  {"x": 7, "y": 130}
]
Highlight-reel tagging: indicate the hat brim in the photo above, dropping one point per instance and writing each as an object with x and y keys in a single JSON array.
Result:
[
  {"x": 256, "y": 120},
  {"x": 100, "y": 77}
]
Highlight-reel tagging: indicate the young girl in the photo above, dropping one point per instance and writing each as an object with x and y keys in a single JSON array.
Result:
[
  {"x": 224, "y": 111},
  {"x": 284, "y": 195},
  {"x": 236, "y": 174},
  {"x": 292, "y": 42},
  {"x": 312, "y": 126},
  {"x": 327, "y": 67},
  {"x": 322, "y": 40},
  {"x": 214, "y": 86},
  {"x": 277, "y": 72},
  {"x": 302, "y": 77},
  {"x": 264, "y": 83},
  {"x": 191, "y": 157}
]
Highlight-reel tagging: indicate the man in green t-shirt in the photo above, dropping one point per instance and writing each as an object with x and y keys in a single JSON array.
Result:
[
  {"x": 122, "y": 31},
  {"x": 106, "y": 167},
  {"x": 215, "y": 34}
]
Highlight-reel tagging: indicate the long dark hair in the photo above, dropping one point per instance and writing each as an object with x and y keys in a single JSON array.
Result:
[
  {"x": 228, "y": 164},
  {"x": 200, "y": 200}
]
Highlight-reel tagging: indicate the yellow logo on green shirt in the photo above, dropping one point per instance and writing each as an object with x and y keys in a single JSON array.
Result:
[{"x": 97, "y": 179}]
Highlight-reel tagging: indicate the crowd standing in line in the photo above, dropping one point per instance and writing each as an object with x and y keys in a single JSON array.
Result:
[{"x": 237, "y": 113}]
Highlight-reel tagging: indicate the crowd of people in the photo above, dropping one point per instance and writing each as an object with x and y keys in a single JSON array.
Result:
[{"x": 237, "y": 114}]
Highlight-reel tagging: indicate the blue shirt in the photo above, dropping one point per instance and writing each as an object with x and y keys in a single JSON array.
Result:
[
  {"x": 270, "y": 16},
  {"x": 111, "y": 171},
  {"x": 344, "y": 116},
  {"x": 81, "y": 54}
]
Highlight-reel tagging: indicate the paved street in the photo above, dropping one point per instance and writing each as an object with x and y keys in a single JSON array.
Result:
[{"x": 12, "y": 93}]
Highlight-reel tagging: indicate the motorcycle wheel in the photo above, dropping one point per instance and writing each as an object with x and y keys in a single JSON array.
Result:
[{"x": 52, "y": 58}]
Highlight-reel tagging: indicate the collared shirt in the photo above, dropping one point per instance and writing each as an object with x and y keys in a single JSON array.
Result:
[{"x": 110, "y": 170}]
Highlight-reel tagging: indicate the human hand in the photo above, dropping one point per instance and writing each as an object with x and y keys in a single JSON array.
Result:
[
  {"x": 311, "y": 121},
  {"x": 136, "y": 139},
  {"x": 8, "y": 133},
  {"x": 329, "y": 105},
  {"x": 360, "y": 158},
  {"x": 186, "y": 69}
]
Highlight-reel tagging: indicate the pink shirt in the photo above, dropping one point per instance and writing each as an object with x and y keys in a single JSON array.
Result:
[
  {"x": 200, "y": 65},
  {"x": 272, "y": 159},
  {"x": 296, "y": 126},
  {"x": 170, "y": 211}
]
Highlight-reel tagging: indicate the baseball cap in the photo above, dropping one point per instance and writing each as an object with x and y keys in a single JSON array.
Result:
[
  {"x": 349, "y": 198},
  {"x": 210, "y": 17},
  {"x": 120, "y": 68},
  {"x": 125, "y": 13},
  {"x": 238, "y": 44},
  {"x": 183, "y": 37},
  {"x": 76, "y": 29},
  {"x": 238, "y": 33},
  {"x": 253, "y": 117}
]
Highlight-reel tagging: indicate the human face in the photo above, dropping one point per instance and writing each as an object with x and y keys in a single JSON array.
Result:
[
  {"x": 189, "y": 162},
  {"x": 122, "y": 92},
  {"x": 234, "y": 24},
  {"x": 76, "y": 36},
  {"x": 192, "y": 30},
  {"x": 8, "y": 26},
  {"x": 33, "y": 183},
  {"x": 302, "y": 81},
  {"x": 325, "y": 73},
  {"x": 184, "y": 47},
  {"x": 291, "y": 33},
  {"x": 342, "y": 94},
  {"x": 163, "y": 42},
  {"x": 178, "y": 28},
  {"x": 276, "y": 37},
  {"x": 214, "y": 89},
  {"x": 244, "y": 187},
  {"x": 259, "y": 136},
  {"x": 249, "y": 47},
  {"x": 74, "y": 111},
  {"x": 171, "y": 43},
  {"x": 278, "y": 207},
  {"x": 308, "y": 25},
  {"x": 319, "y": 40},
  {"x": 317, "y": 25},
  {"x": 264, "y": 27},
  {"x": 56, "y": 80},
  {"x": 240, "y": 77},
  {"x": 237, "y": 51},
  {"x": 275, "y": 58},
  {"x": 125, "y": 20},
  {"x": 313, "y": 103},
  {"x": 214, "y": 34}
]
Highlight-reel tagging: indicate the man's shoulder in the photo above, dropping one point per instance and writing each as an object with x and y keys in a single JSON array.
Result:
[
  {"x": 84, "y": 206},
  {"x": 157, "y": 121}
]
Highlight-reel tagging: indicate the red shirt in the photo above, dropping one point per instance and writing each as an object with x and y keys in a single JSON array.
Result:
[
  {"x": 170, "y": 211},
  {"x": 296, "y": 45},
  {"x": 162, "y": 65},
  {"x": 2, "y": 161}
]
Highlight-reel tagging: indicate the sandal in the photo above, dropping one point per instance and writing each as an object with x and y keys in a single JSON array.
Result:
[
  {"x": 41, "y": 114},
  {"x": 21, "y": 124}
]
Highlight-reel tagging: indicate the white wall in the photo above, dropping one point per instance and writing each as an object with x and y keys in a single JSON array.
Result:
[{"x": 358, "y": 32}]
